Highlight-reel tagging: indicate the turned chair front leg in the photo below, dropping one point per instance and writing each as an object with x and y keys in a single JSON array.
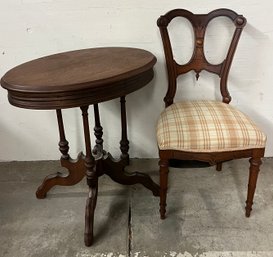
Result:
[
  {"x": 254, "y": 169},
  {"x": 164, "y": 171}
]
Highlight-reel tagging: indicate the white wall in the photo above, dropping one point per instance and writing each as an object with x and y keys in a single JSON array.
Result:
[{"x": 34, "y": 28}]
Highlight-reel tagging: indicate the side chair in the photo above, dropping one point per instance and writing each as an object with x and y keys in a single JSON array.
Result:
[{"x": 205, "y": 130}]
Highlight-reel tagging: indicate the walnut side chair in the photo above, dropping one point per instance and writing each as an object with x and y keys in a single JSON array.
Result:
[{"x": 204, "y": 130}]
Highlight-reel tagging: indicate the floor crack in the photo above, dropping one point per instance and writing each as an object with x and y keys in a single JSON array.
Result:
[{"x": 130, "y": 229}]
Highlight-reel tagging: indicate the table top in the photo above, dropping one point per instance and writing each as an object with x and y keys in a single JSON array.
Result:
[{"x": 78, "y": 78}]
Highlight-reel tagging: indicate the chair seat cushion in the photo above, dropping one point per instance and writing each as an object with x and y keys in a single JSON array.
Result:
[{"x": 207, "y": 126}]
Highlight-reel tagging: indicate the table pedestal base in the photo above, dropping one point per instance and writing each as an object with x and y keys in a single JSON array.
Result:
[
  {"x": 95, "y": 163},
  {"x": 105, "y": 164}
]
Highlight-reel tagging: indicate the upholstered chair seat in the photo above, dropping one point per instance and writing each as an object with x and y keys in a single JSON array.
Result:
[{"x": 207, "y": 126}]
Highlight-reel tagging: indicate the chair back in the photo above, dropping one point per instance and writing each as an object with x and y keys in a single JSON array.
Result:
[{"x": 198, "y": 61}]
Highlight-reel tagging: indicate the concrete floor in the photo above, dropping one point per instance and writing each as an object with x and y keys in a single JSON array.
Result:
[{"x": 205, "y": 215}]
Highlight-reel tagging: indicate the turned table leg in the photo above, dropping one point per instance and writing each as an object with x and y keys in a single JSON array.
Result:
[
  {"x": 76, "y": 169},
  {"x": 63, "y": 144},
  {"x": 97, "y": 131},
  {"x": 92, "y": 181},
  {"x": 124, "y": 143}
]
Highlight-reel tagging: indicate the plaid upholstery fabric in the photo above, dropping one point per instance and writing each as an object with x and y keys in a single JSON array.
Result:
[{"x": 206, "y": 126}]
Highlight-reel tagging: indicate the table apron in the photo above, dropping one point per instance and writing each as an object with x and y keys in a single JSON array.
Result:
[{"x": 70, "y": 99}]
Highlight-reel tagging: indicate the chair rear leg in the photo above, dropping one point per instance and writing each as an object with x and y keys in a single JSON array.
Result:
[
  {"x": 219, "y": 166},
  {"x": 253, "y": 175},
  {"x": 164, "y": 170}
]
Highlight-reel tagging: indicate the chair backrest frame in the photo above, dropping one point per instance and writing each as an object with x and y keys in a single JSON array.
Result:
[{"x": 198, "y": 61}]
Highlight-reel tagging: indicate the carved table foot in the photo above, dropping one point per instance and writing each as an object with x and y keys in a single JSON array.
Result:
[
  {"x": 115, "y": 170},
  {"x": 89, "y": 215},
  {"x": 76, "y": 173}
]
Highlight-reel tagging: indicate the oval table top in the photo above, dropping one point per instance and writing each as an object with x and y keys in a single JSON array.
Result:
[{"x": 78, "y": 78}]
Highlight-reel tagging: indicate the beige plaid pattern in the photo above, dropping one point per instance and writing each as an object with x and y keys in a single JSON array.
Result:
[{"x": 207, "y": 126}]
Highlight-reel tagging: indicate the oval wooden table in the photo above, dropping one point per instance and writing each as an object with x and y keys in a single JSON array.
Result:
[{"x": 79, "y": 79}]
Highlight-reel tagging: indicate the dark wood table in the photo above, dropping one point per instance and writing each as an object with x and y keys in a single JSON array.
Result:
[{"x": 79, "y": 79}]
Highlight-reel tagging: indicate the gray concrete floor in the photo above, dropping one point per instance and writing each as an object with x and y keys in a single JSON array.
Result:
[{"x": 205, "y": 215}]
